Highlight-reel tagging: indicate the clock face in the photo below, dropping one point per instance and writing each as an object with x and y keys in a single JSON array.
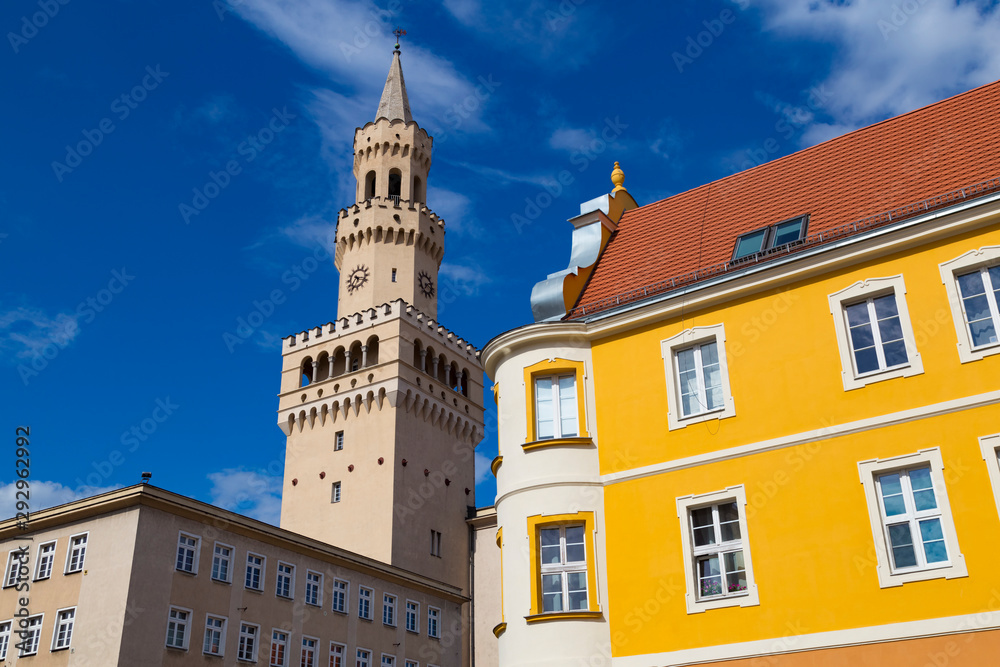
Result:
[
  {"x": 357, "y": 278},
  {"x": 425, "y": 284}
]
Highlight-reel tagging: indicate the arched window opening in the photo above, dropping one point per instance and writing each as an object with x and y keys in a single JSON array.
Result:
[
  {"x": 429, "y": 364},
  {"x": 372, "y": 352},
  {"x": 395, "y": 184},
  {"x": 465, "y": 382},
  {"x": 370, "y": 185},
  {"x": 442, "y": 370},
  {"x": 453, "y": 377},
  {"x": 306, "y": 372},
  {"x": 356, "y": 357},
  {"x": 339, "y": 362},
  {"x": 417, "y": 347},
  {"x": 418, "y": 190},
  {"x": 322, "y": 367}
]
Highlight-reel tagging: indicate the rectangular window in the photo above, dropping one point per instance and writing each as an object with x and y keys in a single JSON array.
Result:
[
  {"x": 221, "y": 559},
  {"x": 717, "y": 565},
  {"x": 980, "y": 293},
  {"x": 255, "y": 572},
  {"x": 699, "y": 379},
  {"x": 394, "y": 275},
  {"x": 718, "y": 550},
  {"x": 433, "y": 622},
  {"x": 388, "y": 609},
  {"x": 314, "y": 588},
  {"x": 412, "y": 663},
  {"x": 364, "y": 603},
  {"x": 388, "y": 660},
  {"x": 187, "y": 553},
  {"x": 247, "y": 649},
  {"x": 14, "y": 563},
  {"x": 285, "y": 584},
  {"x": 556, "y": 407},
  {"x": 308, "y": 658},
  {"x": 775, "y": 236},
  {"x": 77, "y": 553},
  {"x": 215, "y": 635},
  {"x": 911, "y": 519},
  {"x": 178, "y": 622},
  {"x": 338, "y": 441},
  {"x": 4, "y": 638},
  {"x": 337, "y": 654},
  {"x": 990, "y": 447},
  {"x": 335, "y": 493},
  {"x": 876, "y": 334},
  {"x": 32, "y": 637},
  {"x": 412, "y": 616},
  {"x": 279, "y": 647},
  {"x": 564, "y": 569},
  {"x": 46, "y": 556},
  {"x": 436, "y": 543},
  {"x": 62, "y": 636},
  {"x": 364, "y": 658},
  {"x": 340, "y": 595}
]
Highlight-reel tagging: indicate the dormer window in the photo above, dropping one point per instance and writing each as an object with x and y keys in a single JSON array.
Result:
[{"x": 768, "y": 238}]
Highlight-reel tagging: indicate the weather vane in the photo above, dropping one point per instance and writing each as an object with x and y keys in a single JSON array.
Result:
[{"x": 398, "y": 32}]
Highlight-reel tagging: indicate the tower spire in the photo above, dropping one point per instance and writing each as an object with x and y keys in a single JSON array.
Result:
[{"x": 394, "y": 105}]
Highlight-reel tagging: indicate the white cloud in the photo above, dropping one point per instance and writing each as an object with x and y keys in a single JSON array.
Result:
[
  {"x": 891, "y": 57},
  {"x": 44, "y": 495},
  {"x": 25, "y": 332},
  {"x": 311, "y": 231},
  {"x": 483, "y": 471},
  {"x": 247, "y": 492},
  {"x": 464, "y": 279},
  {"x": 572, "y": 139}
]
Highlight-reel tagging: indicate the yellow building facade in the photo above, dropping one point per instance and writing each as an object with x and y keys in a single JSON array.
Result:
[{"x": 783, "y": 450}]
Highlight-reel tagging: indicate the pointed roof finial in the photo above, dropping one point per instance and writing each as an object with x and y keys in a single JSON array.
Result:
[
  {"x": 618, "y": 177},
  {"x": 395, "y": 105},
  {"x": 398, "y": 32}
]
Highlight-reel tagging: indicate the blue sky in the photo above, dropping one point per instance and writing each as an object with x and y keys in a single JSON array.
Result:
[{"x": 114, "y": 304}]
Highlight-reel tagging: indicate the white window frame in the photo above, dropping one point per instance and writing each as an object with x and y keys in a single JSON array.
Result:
[
  {"x": 412, "y": 663},
  {"x": 212, "y": 629},
  {"x": 870, "y": 470},
  {"x": 10, "y": 577},
  {"x": 338, "y": 441},
  {"x": 987, "y": 256},
  {"x": 860, "y": 291},
  {"x": 336, "y": 492},
  {"x": 229, "y": 562},
  {"x": 696, "y": 605},
  {"x": 669, "y": 347},
  {"x": 262, "y": 567},
  {"x": 365, "y": 595},
  {"x": 6, "y": 628},
  {"x": 36, "y": 634},
  {"x": 338, "y": 654},
  {"x": 39, "y": 560},
  {"x": 363, "y": 658},
  {"x": 281, "y": 577},
  {"x": 254, "y": 640},
  {"x": 413, "y": 614},
  {"x": 282, "y": 643},
  {"x": 195, "y": 552},
  {"x": 342, "y": 595},
  {"x": 388, "y": 660},
  {"x": 317, "y": 586},
  {"x": 389, "y": 610},
  {"x": 65, "y": 617},
  {"x": 186, "y": 624},
  {"x": 564, "y": 568},
  {"x": 314, "y": 649},
  {"x": 433, "y": 622},
  {"x": 990, "y": 446},
  {"x": 80, "y": 548},
  {"x": 553, "y": 380}
]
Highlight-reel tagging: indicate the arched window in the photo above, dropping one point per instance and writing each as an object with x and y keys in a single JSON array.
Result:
[
  {"x": 442, "y": 370},
  {"x": 322, "y": 366},
  {"x": 306, "y": 372},
  {"x": 372, "y": 357},
  {"x": 370, "y": 185},
  {"x": 339, "y": 362},
  {"x": 355, "y": 357},
  {"x": 418, "y": 190},
  {"x": 395, "y": 184},
  {"x": 417, "y": 346},
  {"x": 465, "y": 382}
]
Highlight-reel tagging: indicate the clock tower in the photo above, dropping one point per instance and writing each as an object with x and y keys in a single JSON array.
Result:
[{"x": 383, "y": 406}]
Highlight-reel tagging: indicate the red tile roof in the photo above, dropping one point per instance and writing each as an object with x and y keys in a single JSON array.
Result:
[{"x": 901, "y": 161}]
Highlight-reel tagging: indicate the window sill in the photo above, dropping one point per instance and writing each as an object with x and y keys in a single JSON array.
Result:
[
  {"x": 254, "y": 590},
  {"x": 748, "y": 598},
  {"x": 565, "y": 616},
  {"x": 558, "y": 442},
  {"x": 38, "y": 579},
  {"x": 190, "y": 574},
  {"x": 283, "y": 597},
  {"x": 222, "y": 581},
  {"x": 499, "y": 629},
  {"x": 313, "y": 604},
  {"x": 413, "y": 632}
]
